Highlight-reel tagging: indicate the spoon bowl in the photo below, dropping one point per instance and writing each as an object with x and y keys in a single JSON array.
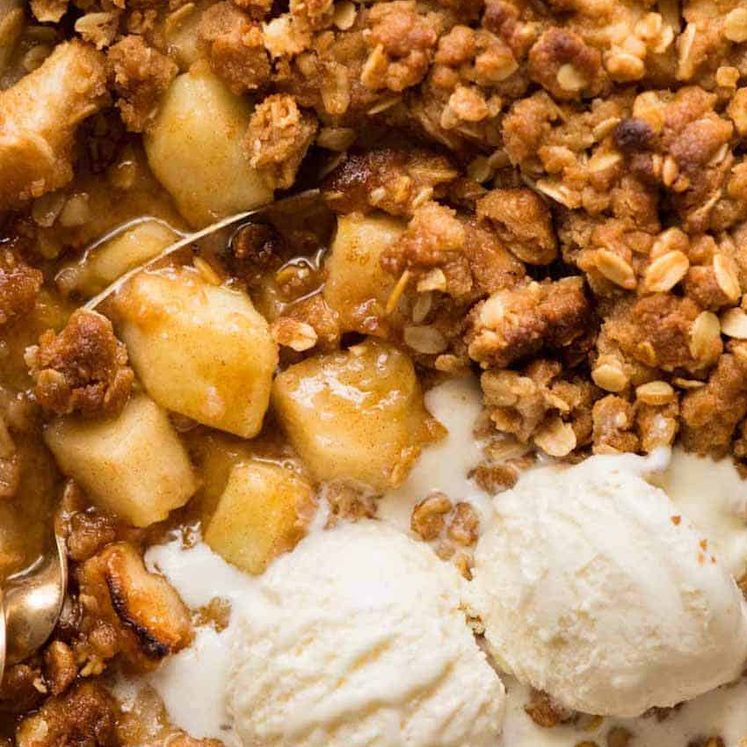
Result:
[{"x": 31, "y": 604}]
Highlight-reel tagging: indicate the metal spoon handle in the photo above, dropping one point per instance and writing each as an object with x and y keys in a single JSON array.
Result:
[{"x": 190, "y": 238}]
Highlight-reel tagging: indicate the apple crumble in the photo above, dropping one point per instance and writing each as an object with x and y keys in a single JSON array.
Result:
[{"x": 548, "y": 199}]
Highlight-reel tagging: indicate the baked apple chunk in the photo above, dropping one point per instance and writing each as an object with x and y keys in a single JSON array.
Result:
[
  {"x": 200, "y": 350},
  {"x": 262, "y": 512},
  {"x": 195, "y": 149},
  {"x": 133, "y": 465},
  {"x": 357, "y": 287},
  {"x": 356, "y": 414}
]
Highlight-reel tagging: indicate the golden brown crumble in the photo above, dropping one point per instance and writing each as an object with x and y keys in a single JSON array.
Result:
[
  {"x": 85, "y": 716},
  {"x": 81, "y": 369},
  {"x": 393, "y": 180},
  {"x": 278, "y": 137},
  {"x": 233, "y": 43},
  {"x": 19, "y": 286},
  {"x": 517, "y": 323},
  {"x": 545, "y": 712},
  {"x": 128, "y": 611},
  {"x": 61, "y": 668},
  {"x": 452, "y": 527},
  {"x": 523, "y": 222},
  {"x": 402, "y": 42},
  {"x": 429, "y": 516},
  {"x": 348, "y": 502},
  {"x": 141, "y": 76}
]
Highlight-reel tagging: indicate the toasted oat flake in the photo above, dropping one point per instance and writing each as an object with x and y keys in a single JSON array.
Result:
[
  {"x": 335, "y": 138},
  {"x": 99, "y": 29},
  {"x": 624, "y": 66},
  {"x": 435, "y": 280},
  {"x": 425, "y": 339},
  {"x": 725, "y": 271},
  {"x": 294, "y": 334},
  {"x": 734, "y": 324},
  {"x": 685, "y": 45},
  {"x": 397, "y": 291},
  {"x": 668, "y": 241},
  {"x": 421, "y": 307},
  {"x": 615, "y": 268},
  {"x": 559, "y": 192},
  {"x": 479, "y": 169},
  {"x": 681, "y": 383},
  {"x": 705, "y": 331},
  {"x": 665, "y": 272},
  {"x": 344, "y": 15},
  {"x": 174, "y": 20},
  {"x": 655, "y": 393},
  {"x": 646, "y": 353},
  {"x": 384, "y": 104},
  {"x": 556, "y": 438},
  {"x": 603, "y": 161},
  {"x": 423, "y": 196},
  {"x": 610, "y": 377},
  {"x": 605, "y": 128}
]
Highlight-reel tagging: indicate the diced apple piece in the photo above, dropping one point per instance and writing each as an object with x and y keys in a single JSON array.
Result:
[
  {"x": 199, "y": 349},
  {"x": 195, "y": 149},
  {"x": 134, "y": 465},
  {"x": 357, "y": 288},
  {"x": 357, "y": 414},
  {"x": 263, "y": 512},
  {"x": 215, "y": 454},
  {"x": 103, "y": 264}
]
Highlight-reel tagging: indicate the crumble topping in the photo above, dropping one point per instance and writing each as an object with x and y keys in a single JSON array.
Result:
[{"x": 81, "y": 369}]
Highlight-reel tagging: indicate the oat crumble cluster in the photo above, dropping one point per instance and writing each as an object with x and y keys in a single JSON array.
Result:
[{"x": 551, "y": 194}]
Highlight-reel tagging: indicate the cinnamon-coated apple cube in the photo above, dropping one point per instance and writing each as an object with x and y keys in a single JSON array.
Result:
[
  {"x": 263, "y": 512},
  {"x": 195, "y": 148},
  {"x": 357, "y": 287},
  {"x": 200, "y": 350},
  {"x": 356, "y": 414},
  {"x": 134, "y": 465}
]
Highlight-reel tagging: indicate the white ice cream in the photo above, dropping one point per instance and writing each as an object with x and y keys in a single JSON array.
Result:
[
  {"x": 594, "y": 588},
  {"x": 713, "y": 495},
  {"x": 456, "y": 404},
  {"x": 361, "y": 640},
  {"x": 193, "y": 683}
]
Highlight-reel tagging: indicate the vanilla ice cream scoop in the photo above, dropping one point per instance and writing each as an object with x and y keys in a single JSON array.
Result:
[
  {"x": 594, "y": 588},
  {"x": 360, "y": 640}
]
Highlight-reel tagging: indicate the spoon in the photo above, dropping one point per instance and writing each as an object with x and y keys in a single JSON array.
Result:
[
  {"x": 30, "y": 605},
  {"x": 291, "y": 203}
]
